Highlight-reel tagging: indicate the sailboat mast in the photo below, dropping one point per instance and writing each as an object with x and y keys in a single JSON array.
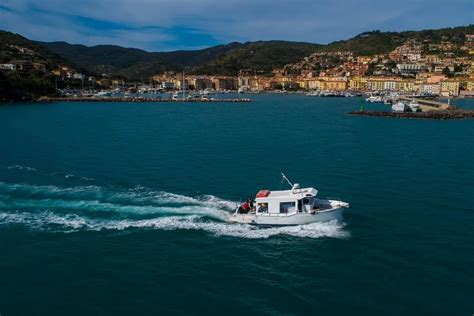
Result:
[{"x": 183, "y": 85}]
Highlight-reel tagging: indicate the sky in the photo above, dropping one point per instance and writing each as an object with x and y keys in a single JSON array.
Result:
[{"x": 165, "y": 25}]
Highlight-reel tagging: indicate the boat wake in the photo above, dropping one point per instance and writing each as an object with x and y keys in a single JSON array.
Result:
[{"x": 52, "y": 208}]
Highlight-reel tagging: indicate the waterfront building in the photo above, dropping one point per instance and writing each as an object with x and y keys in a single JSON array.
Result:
[
  {"x": 431, "y": 88},
  {"x": 406, "y": 85},
  {"x": 376, "y": 84},
  {"x": 390, "y": 84},
  {"x": 223, "y": 83},
  {"x": 470, "y": 85},
  {"x": 450, "y": 87},
  {"x": 314, "y": 84},
  {"x": 244, "y": 81},
  {"x": 336, "y": 84},
  {"x": 201, "y": 83},
  {"x": 168, "y": 85},
  {"x": 358, "y": 83},
  {"x": 178, "y": 83}
]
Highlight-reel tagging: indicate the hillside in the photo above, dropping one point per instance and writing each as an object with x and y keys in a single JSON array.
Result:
[
  {"x": 132, "y": 62},
  {"x": 376, "y": 42},
  {"x": 222, "y": 59},
  {"x": 39, "y": 53},
  {"x": 261, "y": 57}
]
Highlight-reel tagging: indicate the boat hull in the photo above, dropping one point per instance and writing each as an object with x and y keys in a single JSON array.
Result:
[{"x": 290, "y": 220}]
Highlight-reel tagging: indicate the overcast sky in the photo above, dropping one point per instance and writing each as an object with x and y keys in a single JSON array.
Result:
[{"x": 157, "y": 25}]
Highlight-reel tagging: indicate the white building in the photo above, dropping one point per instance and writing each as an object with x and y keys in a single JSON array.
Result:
[
  {"x": 167, "y": 85},
  {"x": 431, "y": 88},
  {"x": 390, "y": 85},
  {"x": 79, "y": 76},
  {"x": 7, "y": 66}
]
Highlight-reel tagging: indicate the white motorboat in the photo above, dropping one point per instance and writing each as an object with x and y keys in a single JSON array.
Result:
[
  {"x": 414, "y": 106},
  {"x": 313, "y": 94},
  {"x": 297, "y": 206},
  {"x": 399, "y": 107},
  {"x": 374, "y": 99}
]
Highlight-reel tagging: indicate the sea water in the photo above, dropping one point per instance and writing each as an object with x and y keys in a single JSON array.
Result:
[{"x": 122, "y": 208}]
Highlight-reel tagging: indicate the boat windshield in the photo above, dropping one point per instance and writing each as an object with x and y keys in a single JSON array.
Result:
[{"x": 305, "y": 204}]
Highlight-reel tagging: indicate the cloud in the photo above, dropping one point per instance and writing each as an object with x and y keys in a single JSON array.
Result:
[{"x": 171, "y": 24}]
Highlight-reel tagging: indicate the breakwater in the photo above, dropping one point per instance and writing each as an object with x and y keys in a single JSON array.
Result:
[
  {"x": 123, "y": 99},
  {"x": 454, "y": 114}
]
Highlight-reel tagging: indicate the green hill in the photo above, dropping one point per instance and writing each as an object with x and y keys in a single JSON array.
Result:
[
  {"x": 261, "y": 57},
  {"x": 41, "y": 54},
  {"x": 376, "y": 42},
  {"x": 222, "y": 59}
]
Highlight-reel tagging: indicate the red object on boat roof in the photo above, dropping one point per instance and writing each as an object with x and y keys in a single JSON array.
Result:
[{"x": 263, "y": 193}]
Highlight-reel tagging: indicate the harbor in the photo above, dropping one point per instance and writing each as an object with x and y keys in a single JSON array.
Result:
[
  {"x": 454, "y": 114},
  {"x": 411, "y": 107},
  {"x": 143, "y": 100}
]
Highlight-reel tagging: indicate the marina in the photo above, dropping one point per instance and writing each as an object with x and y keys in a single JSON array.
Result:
[{"x": 143, "y": 99}]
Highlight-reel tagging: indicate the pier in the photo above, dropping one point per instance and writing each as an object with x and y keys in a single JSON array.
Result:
[
  {"x": 427, "y": 105},
  {"x": 142, "y": 100},
  {"x": 452, "y": 114}
]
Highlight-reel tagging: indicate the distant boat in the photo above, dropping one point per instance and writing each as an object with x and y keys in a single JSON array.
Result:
[
  {"x": 399, "y": 107},
  {"x": 414, "y": 106},
  {"x": 313, "y": 94},
  {"x": 375, "y": 99},
  {"x": 104, "y": 94}
]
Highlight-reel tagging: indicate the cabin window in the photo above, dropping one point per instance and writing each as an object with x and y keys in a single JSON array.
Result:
[
  {"x": 287, "y": 207},
  {"x": 262, "y": 207}
]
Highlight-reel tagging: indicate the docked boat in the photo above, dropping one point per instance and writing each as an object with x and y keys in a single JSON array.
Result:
[
  {"x": 374, "y": 99},
  {"x": 297, "y": 206},
  {"x": 399, "y": 107},
  {"x": 414, "y": 106}
]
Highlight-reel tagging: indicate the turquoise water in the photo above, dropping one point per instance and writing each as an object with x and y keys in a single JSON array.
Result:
[{"x": 120, "y": 209}]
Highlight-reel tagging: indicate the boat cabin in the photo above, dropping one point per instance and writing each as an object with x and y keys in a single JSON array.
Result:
[{"x": 288, "y": 202}]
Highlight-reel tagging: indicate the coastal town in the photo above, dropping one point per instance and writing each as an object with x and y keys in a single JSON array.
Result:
[{"x": 444, "y": 69}]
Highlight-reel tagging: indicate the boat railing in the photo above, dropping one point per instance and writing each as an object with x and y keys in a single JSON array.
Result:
[
  {"x": 278, "y": 214},
  {"x": 333, "y": 198}
]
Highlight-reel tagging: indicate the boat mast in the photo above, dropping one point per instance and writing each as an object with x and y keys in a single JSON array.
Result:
[
  {"x": 286, "y": 179},
  {"x": 183, "y": 85}
]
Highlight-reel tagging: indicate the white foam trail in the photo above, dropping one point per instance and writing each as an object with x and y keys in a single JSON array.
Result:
[
  {"x": 138, "y": 201},
  {"x": 137, "y": 195},
  {"x": 20, "y": 167},
  {"x": 97, "y": 206},
  {"x": 69, "y": 209},
  {"x": 71, "y": 223}
]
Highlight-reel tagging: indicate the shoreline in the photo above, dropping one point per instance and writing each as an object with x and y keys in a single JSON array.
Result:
[{"x": 142, "y": 100}]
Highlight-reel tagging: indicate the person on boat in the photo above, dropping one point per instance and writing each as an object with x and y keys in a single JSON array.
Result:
[
  {"x": 249, "y": 200},
  {"x": 245, "y": 207}
]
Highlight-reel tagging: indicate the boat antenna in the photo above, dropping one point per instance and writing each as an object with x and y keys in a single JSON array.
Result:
[{"x": 286, "y": 179}]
